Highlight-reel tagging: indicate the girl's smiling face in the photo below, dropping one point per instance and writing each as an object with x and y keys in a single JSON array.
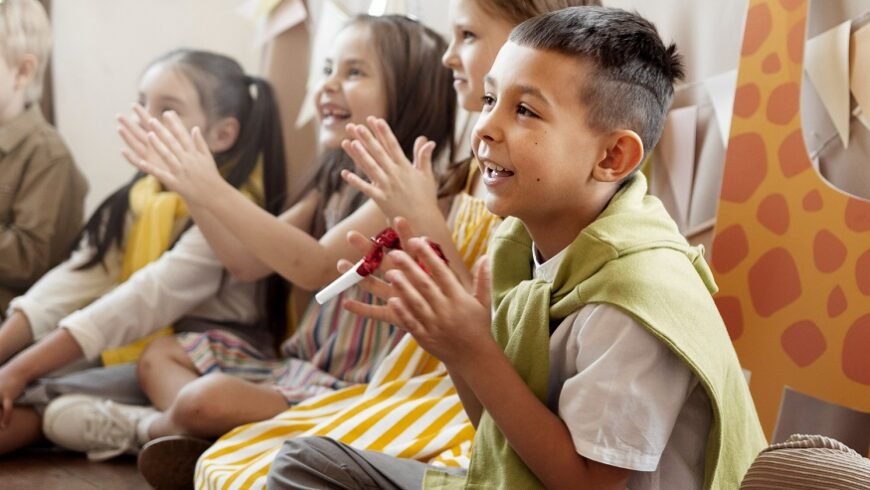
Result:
[
  {"x": 477, "y": 37},
  {"x": 353, "y": 87}
]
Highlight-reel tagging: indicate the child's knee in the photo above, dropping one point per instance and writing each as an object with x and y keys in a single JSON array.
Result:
[
  {"x": 156, "y": 354},
  {"x": 198, "y": 406}
]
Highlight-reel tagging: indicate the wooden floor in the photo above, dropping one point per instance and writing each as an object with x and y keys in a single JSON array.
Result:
[{"x": 39, "y": 469}]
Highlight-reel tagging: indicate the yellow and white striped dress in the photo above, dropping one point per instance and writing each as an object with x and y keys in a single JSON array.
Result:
[{"x": 410, "y": 408}]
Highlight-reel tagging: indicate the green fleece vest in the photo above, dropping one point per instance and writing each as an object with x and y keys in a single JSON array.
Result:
[{"x": 632, "y": 257}]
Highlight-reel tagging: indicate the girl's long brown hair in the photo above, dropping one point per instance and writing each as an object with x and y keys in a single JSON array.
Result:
[{"x": 420, "y": 100}]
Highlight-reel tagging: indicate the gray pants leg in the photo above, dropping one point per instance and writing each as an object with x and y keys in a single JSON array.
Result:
[
  {"x": 309, "y": 463},
  {"x": 117, "y": 383}
]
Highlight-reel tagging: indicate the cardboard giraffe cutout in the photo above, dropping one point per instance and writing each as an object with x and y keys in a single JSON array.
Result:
[{"x": 791, "y": 253}]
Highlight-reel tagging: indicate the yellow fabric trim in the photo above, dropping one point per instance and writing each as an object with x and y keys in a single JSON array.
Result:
[{"x": 155, "y": 213}]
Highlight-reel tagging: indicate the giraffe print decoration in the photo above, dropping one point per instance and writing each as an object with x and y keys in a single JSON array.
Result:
[{"x": 791, "y": 253}]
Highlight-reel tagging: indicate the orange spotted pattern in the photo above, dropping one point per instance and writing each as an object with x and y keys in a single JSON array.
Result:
[{"x": 791, "y": 253}]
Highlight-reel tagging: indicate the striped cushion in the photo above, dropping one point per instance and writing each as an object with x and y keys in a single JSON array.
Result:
[{"x": 805, "y": 462}]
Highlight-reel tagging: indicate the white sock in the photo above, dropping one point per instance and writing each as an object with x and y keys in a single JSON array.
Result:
[{"x": 144, "y": 426}]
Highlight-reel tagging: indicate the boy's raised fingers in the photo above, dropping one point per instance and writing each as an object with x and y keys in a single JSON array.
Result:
[
  {"x": 419, "y": 297},
  {"x": 415, "y": 286},
  {"x": 405, "y": 319},
  {"x": 440, "y": 272}
]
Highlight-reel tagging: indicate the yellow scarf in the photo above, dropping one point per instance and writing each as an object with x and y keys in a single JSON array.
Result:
[{"x": 156, "y": 213}]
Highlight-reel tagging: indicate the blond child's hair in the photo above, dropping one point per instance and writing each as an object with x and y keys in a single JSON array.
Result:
[{"x": 24, "y": 29}]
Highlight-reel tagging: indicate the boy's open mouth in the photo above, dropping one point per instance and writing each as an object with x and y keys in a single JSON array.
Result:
[{"x": 492, "y": 170}]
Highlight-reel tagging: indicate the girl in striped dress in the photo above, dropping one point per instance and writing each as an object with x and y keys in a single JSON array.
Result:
[
  {"x": 204, "y": 385},
  {"x": 410, "y": 408}
]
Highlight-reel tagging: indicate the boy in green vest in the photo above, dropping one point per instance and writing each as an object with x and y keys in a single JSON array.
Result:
[{"x": 598, "y": 359}]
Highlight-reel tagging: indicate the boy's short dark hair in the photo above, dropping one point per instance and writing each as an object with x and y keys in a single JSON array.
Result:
[{"x": 634, "y": 73}]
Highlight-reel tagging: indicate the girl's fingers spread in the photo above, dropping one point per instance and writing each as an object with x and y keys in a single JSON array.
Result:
[
  {"x": 369, "y": 164},
  {"x": 376, "y": 150},
  {"x": 167, "y": 156},
  {"x": 168, "y": 139},
  {"x": 135, "y": 161},
  {"x": 133, "y": 143},
  {"x": 361, "y": 185},
  {"x": 418, "y": 145},
  {"x": 142, "y": 116},
  {"x": 199, "y": 140},
  {"x": 425, "y": 161},
  {"x": 389, "y": 139},
  {"x": 177, "y": 128},
  {"x": 358, "y": 156},
  {"x": 135, "y": 129}
]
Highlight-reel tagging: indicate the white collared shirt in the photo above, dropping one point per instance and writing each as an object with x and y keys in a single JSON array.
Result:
[{"x": 626, "y": 399}]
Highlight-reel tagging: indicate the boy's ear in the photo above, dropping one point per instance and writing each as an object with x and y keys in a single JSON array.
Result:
[
  {"x": 26, "y": 70},
  {"x": 624, "y": 154},
  {"x": 222, "y": 134}
]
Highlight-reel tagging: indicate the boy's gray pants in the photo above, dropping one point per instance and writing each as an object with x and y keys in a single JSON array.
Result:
[{"x": 319, "y": 463}]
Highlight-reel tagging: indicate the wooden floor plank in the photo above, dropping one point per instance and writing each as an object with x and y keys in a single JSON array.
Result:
[{"x": 52, "y": 469}]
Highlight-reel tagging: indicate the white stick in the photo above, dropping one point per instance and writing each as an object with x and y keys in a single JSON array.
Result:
[{"x": 340, "y": 285}]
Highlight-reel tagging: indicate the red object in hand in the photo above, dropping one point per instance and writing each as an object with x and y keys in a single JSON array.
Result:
[{"x": 388, "y": 239}]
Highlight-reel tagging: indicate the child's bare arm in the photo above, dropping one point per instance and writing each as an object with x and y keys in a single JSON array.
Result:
[
  {"x": 454, "y": 326},
  {"x": 186, "y": 166},
  {"x": 49, "y": 354}
]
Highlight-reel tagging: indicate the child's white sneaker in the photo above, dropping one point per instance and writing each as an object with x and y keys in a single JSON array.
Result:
[{"x": 101, "y": 428}]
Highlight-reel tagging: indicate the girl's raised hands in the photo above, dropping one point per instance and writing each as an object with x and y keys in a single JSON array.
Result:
[
  {"x": 396, "y": 185},
  {"x": 180, "y": 160}
]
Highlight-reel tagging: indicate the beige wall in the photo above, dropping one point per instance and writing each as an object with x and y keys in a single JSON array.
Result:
[{"x": 100, "y": 49}]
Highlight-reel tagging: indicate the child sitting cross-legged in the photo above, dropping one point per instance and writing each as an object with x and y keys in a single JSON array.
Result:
[{"x": 596, "y": 357}]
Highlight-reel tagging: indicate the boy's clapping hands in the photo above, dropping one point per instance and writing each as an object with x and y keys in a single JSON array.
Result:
[{"x": 431, "y": 304}]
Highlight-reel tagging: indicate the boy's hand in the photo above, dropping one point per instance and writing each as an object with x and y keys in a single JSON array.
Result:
[
  {"x": 443, "y": 317},
  {"x": 396, "y": 185},
  {"x": 180, "y": 160},
  {"x": 373, "y": 284}
]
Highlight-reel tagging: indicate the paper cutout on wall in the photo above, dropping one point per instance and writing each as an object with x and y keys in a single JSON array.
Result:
[
  {"x": 721, "y": 89},
  {"x": 254, "y": 10},
  {"x": 860, "y": 72},
  {"x": 285, "y": 16},
  {"x": 674, "y": 163},
  {"x": 387, "y": 7},
  {"x": 827, "y": 65},
  {"x": 331, "y": 21}
]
